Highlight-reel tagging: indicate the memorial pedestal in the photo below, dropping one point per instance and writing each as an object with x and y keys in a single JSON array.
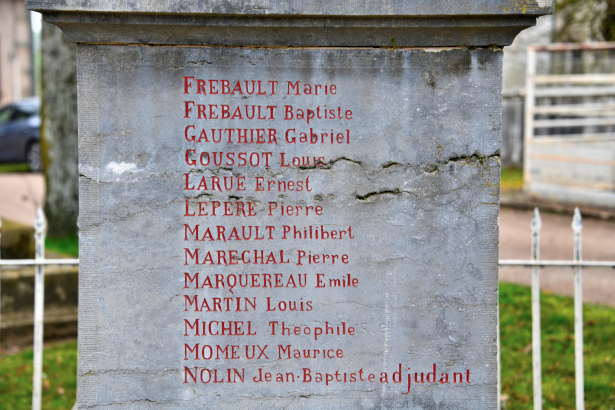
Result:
[{"x": 272, "y": 226}]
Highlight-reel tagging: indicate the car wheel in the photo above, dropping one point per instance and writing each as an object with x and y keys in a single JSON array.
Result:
[{"x": 33, "y": 157}]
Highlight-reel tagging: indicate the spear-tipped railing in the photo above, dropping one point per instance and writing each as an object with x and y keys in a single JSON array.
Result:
[
  {"x": 39, "y": 262},
  {"x": 577, "y": 263},
  {"x": 536, "y": 225}
]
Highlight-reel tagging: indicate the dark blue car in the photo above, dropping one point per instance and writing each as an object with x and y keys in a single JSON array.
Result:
[{"x": 20, "y": 133}]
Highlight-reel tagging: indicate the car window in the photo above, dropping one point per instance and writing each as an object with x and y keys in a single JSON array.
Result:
[
  {"x": 5, "y": 115},
  {"x": 29, "y": 108},
  {"x": 19, "y": 115}
]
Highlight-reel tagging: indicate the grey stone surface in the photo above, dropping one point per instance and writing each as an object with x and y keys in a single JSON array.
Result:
[
  {"x": 418, "y": 184},
  {"x": 416, "y": 179},
  {"x": 293, "y": 8},
  {"x": 390, "y": 32},
  {"x": 383, "y": 23}
]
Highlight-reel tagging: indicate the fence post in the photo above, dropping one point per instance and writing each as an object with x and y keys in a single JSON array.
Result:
[
  {"x": 528, "y": 132},
  {"x": 536, "y": 224},
  {"x": 0, "y": 282},
  {"x": 577, "y": 226},
  {"x": 40, "y": 227}
]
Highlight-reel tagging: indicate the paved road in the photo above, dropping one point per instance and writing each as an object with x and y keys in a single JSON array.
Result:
[{"x": 21, "y": 193}]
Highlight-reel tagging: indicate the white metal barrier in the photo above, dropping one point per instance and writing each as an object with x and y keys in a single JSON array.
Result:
[
  {"x": 536, "y": 263},
  {"x": 577, "y": 263},
  {"x": 39, "y": 261}
]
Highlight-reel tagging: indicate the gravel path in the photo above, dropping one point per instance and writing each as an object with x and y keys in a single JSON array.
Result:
[{"x": 20, "y": 195}]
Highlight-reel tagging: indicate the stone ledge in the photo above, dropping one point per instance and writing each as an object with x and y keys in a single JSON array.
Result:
[
  {"x": 293, "y": 7},
  {"x": 520, "y": 200},
  {"x": 301, "y": 31}
]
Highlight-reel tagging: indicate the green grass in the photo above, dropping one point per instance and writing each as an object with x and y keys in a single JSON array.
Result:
[
  {"x": 59, "y": 383},
  {"x": 557, "y": 320},
  {"x": 5, "y": 168},
  {"x": 512, "y": 179},
  {"x": 67, "y": 245},
  {"x": 60, "y": 361}
]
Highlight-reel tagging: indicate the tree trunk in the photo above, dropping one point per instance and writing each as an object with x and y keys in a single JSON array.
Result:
[{"x": 59, "y": 131}]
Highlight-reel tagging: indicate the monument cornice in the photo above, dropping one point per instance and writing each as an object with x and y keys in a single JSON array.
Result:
[{"x": 378, "y": 24}]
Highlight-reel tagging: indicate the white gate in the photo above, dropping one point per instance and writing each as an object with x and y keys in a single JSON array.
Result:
[{"x": 570, "y": 123}]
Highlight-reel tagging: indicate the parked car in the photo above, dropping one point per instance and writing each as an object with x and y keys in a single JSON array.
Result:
[{"x": 20, "y": 133}]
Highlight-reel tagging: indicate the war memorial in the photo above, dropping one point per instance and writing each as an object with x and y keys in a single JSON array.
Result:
[{"x": 289, "y": 205}]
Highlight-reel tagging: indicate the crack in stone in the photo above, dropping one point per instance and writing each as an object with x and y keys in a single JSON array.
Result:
[
  {"x": 430, "y": 169},
  {"x": 164, "y": 176},
  {"x": 329, "y": 165},
  {"x": 187, "y": 63},
  {"x": 168, "y": 371},
  {"x": 88, "y": 178},
  {"x": 124, "y": 403},
  {"x": 169, "y": 302},
  {"x": 391, "y": 164},
  {"x": 128, "y": 215},
  {"x": 476, "y": 157},
  {"x": 343, "y": 302},
  {"x": 469, "y": 159},
  {"x": 206, "y": 195},
  {"x": 396, "y": 191}
]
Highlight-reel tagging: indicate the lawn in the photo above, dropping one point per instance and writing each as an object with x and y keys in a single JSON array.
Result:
[
  {"x": 67, "y": 245},
  {"x": 59, "y": 378},
  {"x": 14, "y": 168},
  {"x": 60, "y": 360},
  {"x": 512, "y": 179},
  {"x": 557, "y": 319}
]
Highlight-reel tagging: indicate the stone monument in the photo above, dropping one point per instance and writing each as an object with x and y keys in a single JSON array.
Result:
[{"x": 289, "y": 204}]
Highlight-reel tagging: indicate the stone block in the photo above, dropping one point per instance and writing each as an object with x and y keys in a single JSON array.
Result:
[{"x": 289, "y": 205}]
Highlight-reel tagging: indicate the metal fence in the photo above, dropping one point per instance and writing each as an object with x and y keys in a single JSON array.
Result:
[
  {"x": 577, "y": 264},
  {"x": 39, "y": 262},
  {"x": 535, "y": 263}
]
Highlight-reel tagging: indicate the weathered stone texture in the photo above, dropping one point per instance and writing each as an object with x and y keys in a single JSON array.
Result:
[
  {"x": 294, "y": 8},
  {"x": 419, "y": 184},
  {"x": 379, "y": 23}
]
